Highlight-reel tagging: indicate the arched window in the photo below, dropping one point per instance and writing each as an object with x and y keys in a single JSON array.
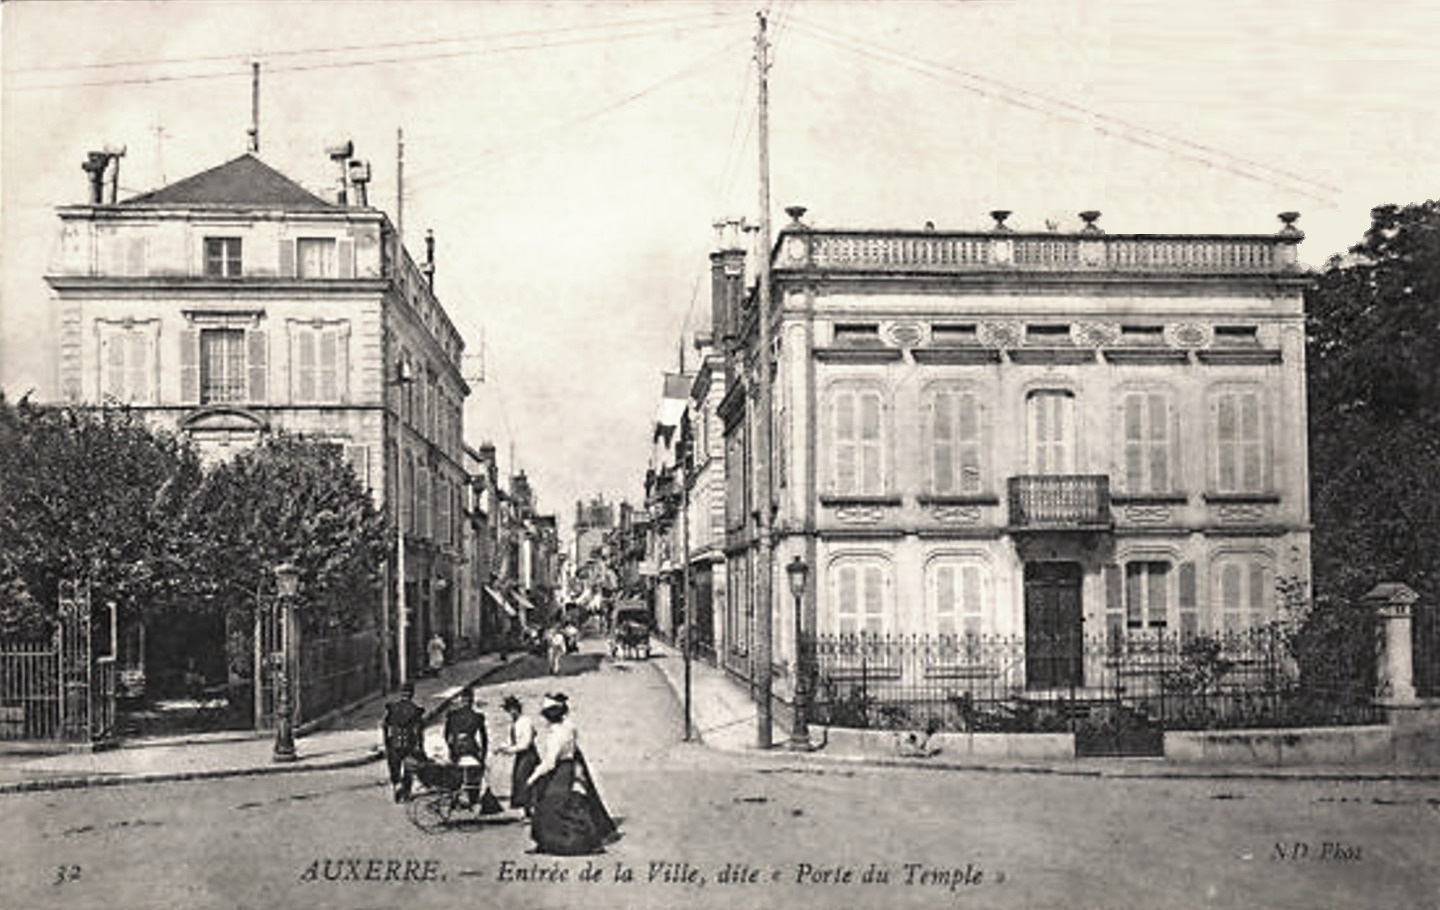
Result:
[
  {"x": 861, "y": 592},
  {"x": 958, "y": 595},
  {"x": 956, "y": 440}
]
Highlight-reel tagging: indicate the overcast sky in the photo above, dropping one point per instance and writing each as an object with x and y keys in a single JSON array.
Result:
[{"x": 571, "y": 157}]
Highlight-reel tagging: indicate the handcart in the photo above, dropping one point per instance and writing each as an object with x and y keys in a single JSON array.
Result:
[{"x": 441, "y": 800}]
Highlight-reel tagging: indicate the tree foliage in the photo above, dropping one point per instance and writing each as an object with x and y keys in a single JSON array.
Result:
[
  {"x": 1373, "y": 327},
  {"x": 89, "y": 495},
  {"x": 97, "y": 495},
  {"x": 296, "y": 501}
]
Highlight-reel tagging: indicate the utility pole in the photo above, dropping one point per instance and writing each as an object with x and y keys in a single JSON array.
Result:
[
  {"x": 400, "y": 186},
  {"x": 687, "y": 442},
  {"x": 764, "y": 583},
  {"x": 254, "y": 148}
]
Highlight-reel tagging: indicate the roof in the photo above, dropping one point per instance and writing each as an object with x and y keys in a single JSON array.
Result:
[{"x": 245, "y": 182}]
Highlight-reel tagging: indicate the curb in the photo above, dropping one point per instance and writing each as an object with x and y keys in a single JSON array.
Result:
[
  {"x": 1119, "y": 772},
  {"x": 114, "y": 780}
]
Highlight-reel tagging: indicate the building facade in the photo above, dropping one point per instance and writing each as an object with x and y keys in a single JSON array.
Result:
[
  {"x": 1044, "y": 436},
  {"x": 235, "y": 303}
]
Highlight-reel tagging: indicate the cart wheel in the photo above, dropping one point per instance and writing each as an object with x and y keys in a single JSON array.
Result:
[{"x": 430, "y": 813}]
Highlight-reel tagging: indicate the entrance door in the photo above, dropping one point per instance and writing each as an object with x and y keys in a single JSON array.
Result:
[{"x": 1053, "y": 641}]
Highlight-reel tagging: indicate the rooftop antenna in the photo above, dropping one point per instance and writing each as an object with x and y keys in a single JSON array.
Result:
[{"x": 254, "y": 146}]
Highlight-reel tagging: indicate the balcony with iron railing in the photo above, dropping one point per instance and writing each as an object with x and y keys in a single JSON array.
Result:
[{"x": 1060, "y": 502}]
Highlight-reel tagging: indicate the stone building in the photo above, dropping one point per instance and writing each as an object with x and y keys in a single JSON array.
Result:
[
  {"x": 234, "y": 303},
  {"x": 1046, "y": 436}
]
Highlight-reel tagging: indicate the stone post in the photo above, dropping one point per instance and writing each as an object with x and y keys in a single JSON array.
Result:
[{"x": 1394, "y": 603}]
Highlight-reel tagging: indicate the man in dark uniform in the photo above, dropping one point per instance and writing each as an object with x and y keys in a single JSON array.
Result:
[
  {"x": 466, "y": 738},
  {"x": 404, "y": 731}
]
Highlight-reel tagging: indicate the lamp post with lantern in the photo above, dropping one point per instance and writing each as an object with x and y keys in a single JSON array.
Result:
[
  {"x": 287, "y": 584},
  {"x": 798, "y": 573}
]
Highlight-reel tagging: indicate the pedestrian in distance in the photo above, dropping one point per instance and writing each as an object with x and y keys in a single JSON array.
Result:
[
  {"x": 557, "y": 647},
  {"x": 435, "y": 651},
  {"x": 466, "y": 740},
  {"x": 403, "y": 732},
  {"x": 522, "y": 746},
  {"x": 569, "y": 817}
]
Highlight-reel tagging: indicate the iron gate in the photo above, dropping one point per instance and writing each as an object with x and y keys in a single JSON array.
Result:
[{"x": 60, "y": 689}]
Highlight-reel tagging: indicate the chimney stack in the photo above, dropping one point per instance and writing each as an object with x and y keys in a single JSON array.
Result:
[
  {"x": 94, "y": 165},
  {"x": 429, "y": 267}
]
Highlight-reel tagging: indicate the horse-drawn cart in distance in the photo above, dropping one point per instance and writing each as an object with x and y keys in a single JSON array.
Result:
[{"x": 630, "y": 630}]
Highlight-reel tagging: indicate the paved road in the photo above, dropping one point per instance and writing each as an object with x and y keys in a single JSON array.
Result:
[{"x": 808, "y": 834}]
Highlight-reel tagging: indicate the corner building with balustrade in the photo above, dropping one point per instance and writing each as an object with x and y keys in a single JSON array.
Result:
[{"x": 1036, "y": 437}]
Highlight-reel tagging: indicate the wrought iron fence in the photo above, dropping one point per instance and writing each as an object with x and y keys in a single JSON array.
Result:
[
  {"x": 336, "y": 671},
  {"x": 1152, "y": 680},
  {"x": 1425, "y": 634},
  {"x": 55, "y": 688}
]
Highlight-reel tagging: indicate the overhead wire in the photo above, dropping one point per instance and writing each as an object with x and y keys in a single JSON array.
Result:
[
  {"x": 351, "y": 64},
  {"x": 529, "y": 141},
  {"x": 346, "y": 48},
  {"x": 1045, "y": 105}
]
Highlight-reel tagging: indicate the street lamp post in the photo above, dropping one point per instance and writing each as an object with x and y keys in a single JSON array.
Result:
[
  {"x": 287, "y": 583},
  {"x": 797, "y": 572}
]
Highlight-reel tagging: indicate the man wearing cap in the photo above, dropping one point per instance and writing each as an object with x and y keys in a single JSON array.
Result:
[
  {"x": 403, "y": 730},
  {"x": 466, "y": 738}
]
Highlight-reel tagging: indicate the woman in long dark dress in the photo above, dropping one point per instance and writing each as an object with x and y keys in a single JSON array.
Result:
[
  {"x": 570, "y": 818},
  {"x": 522, "y": 747}
]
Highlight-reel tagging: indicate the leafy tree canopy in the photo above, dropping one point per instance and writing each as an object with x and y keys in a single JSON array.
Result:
[{"x": 1373, "y": 326}]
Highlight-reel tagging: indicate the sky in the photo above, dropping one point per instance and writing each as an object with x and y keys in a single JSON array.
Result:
[{"x": 571, "y": 157}]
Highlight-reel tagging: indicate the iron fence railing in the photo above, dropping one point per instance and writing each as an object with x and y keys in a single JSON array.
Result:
[
  {"x": 1160, "y": 680},
  {"x": 336, "y": 671}
]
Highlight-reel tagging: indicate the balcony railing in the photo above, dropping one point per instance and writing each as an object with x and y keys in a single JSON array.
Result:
[
  {"x": 899, "y": 251},
  {"x": 1045, "y": 502}
]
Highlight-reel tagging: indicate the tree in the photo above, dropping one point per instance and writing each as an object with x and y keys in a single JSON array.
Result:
[
  {"x": 91, "y": 495},
  {"x": 297, "y": 501},
  {"x": 1373, "y": 331}
]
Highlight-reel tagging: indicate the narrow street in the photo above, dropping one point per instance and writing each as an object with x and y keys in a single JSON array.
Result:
[{"x": 714, "y": 830}]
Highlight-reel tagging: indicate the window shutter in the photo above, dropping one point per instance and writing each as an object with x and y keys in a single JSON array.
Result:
[
  {"x": 1189, "y": 620},
  {"x": 287, "y": 259},
  {"x": 189, "y": 366},
  {"x": 342, "y": 363},
  {"x": 346, "y": 253},
  {"x": 327, "y": 361},
  {"x": 258, "y": 359},
  {"x": 302, "y": 356}
]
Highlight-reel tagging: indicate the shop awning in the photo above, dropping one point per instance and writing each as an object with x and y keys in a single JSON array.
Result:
[{"x": 502, "y": 600}]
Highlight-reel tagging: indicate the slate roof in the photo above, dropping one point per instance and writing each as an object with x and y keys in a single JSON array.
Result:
[{"x": 245, "y": 182}]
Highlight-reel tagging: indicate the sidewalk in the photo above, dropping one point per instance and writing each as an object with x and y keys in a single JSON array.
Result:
[
  {"x": 724, "y": 718},
  {"x": 229, "y": 754}
]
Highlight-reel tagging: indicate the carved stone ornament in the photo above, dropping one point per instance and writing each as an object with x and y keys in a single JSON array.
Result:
[
  {"x": 1187, "y": 335},
  {"x": 867, "y": 515},
  {"x": 1094, "y": 334},
  {"x": 1241, "y": 513},
  {"x": 1001, "y": 334},
  {"x": 1147, "y": 515},
  {"x": 958, "y": 515},
  {"x": 904, "y": 334}
]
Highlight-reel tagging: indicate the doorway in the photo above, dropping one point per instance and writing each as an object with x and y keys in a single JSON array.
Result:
[{"x": 1054, "y": 642}]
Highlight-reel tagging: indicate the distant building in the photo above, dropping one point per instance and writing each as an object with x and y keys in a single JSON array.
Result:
[
  {"x": 1045, "y": 436},
  {"x": 234, "y": 303}
]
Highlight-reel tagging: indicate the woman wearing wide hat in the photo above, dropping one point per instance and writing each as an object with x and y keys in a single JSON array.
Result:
[
  {"x": 522, "y": 746},
  {"x": 569, "y": 816}
]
